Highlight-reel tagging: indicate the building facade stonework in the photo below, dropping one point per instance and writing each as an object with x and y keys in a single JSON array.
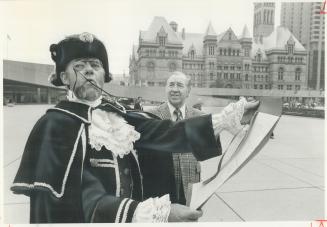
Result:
[{"x": 270, "y": 61}]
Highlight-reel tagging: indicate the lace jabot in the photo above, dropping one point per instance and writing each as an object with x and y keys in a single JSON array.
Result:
[{"x": 113, "y": 132}]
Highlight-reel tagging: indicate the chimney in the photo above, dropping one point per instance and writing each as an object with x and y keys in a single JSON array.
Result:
[
  {"x": 173, "y": 25},
  {"x": 183, "y": 33}
]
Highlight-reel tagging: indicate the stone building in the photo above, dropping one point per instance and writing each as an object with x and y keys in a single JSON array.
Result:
[{"x": 270, "y": 60}]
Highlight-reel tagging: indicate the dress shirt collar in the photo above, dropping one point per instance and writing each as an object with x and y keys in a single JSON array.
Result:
[{"x": 172, "y": 108}]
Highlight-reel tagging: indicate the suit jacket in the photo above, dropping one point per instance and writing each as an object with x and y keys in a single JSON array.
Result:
[
  {"x": 158, "y": 169},
  {"x": 138, "y": 106}
]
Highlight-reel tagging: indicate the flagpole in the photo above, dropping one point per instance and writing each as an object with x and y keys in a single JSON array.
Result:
[{"x": 8, "y": 39}]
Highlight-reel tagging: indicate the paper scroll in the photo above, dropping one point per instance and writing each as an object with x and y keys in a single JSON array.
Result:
[{"x": 244, "y": 146}]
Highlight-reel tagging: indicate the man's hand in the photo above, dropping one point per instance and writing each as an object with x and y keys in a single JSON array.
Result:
[{"x": 180, "y": 213}]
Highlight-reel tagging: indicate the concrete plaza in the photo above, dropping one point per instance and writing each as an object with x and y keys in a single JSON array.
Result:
[{"x": 284, "y": 182}]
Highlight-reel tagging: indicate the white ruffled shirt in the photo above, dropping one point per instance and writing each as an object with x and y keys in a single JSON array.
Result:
[{"x": 113, "y": 132}]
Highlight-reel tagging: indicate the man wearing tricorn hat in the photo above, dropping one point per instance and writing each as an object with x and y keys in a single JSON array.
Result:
[{"x": 80, "y": 161}]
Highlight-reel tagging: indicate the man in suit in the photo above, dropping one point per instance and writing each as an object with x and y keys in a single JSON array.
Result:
[
  {"x": 138, "y": 104},
  {"x": 171, "y": 173}
]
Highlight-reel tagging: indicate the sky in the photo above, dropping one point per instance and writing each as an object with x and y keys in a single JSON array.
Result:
[{"x": 29, "y": 27}]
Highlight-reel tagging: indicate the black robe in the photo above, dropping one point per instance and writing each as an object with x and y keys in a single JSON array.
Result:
[{"x": 69, "y": 182}]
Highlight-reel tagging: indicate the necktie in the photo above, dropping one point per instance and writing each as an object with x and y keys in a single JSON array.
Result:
[
  {"x": 178, "y": 115},
  {"x": 177, "y": 167}
]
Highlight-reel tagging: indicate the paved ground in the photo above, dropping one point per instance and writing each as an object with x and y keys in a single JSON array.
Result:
[{"x": 285, "y": 182}]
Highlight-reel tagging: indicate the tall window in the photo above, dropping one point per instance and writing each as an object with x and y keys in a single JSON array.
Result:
[
  {"x": 246, "y": 77},
  {"x": 280, "y": 73},
  {"x": 211, "y": 76},
  {"x": 162, "y": 41},
  {"x": 172, "y": 67},
  {"x": 230, "y": 36},
  {"x": 298, "y": 74},
  {"x": 246, "y": 52},
  {"x": 150, "y": 67},
  {"x": 290, "y": 48},
  {"x": 211, "y": 50},
  {"x": 192, "y": 54}
]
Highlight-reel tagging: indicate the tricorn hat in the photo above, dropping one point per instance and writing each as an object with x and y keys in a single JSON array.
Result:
[{"x": 84, "y": 45}]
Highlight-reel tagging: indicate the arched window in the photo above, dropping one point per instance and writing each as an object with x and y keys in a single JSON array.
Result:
[
  {"x": 172, "y": 67},
  {"x": 290, "y": 48},
  {"x": 162, "y": 41},
  {"x": 298, "y": 74},
  {"x": 150, "y": 67},
  {"x": 280, "y": 73},
  {"x": 192, "y": 54}
]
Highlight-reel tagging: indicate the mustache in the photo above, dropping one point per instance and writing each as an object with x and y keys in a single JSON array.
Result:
[{"x": 175, "y": 93}]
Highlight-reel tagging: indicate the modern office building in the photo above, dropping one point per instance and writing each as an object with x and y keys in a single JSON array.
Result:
[
  {"x": 307, "y": 24},
  {"x": 25, "y": 82}
]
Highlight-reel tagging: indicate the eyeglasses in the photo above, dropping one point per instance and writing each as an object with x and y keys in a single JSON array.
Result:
[{"x": 82, "y": 64}]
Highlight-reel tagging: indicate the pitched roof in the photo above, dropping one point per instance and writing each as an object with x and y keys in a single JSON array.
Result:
[
  {"x": 278, "y": 39},
  {"x": 160, "y": 24},
  {"x": 210, "y": 31},
  {"x": 195, "y": 39},
  {"x": 225, "y": 37},
  {"x": 245, "y": 33}
]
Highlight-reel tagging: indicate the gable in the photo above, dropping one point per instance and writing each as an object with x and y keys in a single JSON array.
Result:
[{"x": 229, "y": 36}]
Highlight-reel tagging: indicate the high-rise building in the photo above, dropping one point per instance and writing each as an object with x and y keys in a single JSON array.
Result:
[
  {"x": 307, "y": 24},
  {"x": 263, "y": 19}
]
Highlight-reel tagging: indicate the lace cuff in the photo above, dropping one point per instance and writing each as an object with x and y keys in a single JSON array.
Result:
[
  {"x": 230, "y": 118},
  {"x": 153, "y": 210}
]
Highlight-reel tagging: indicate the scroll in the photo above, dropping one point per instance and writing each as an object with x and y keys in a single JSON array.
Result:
[{"x": 243, "y": 147}]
